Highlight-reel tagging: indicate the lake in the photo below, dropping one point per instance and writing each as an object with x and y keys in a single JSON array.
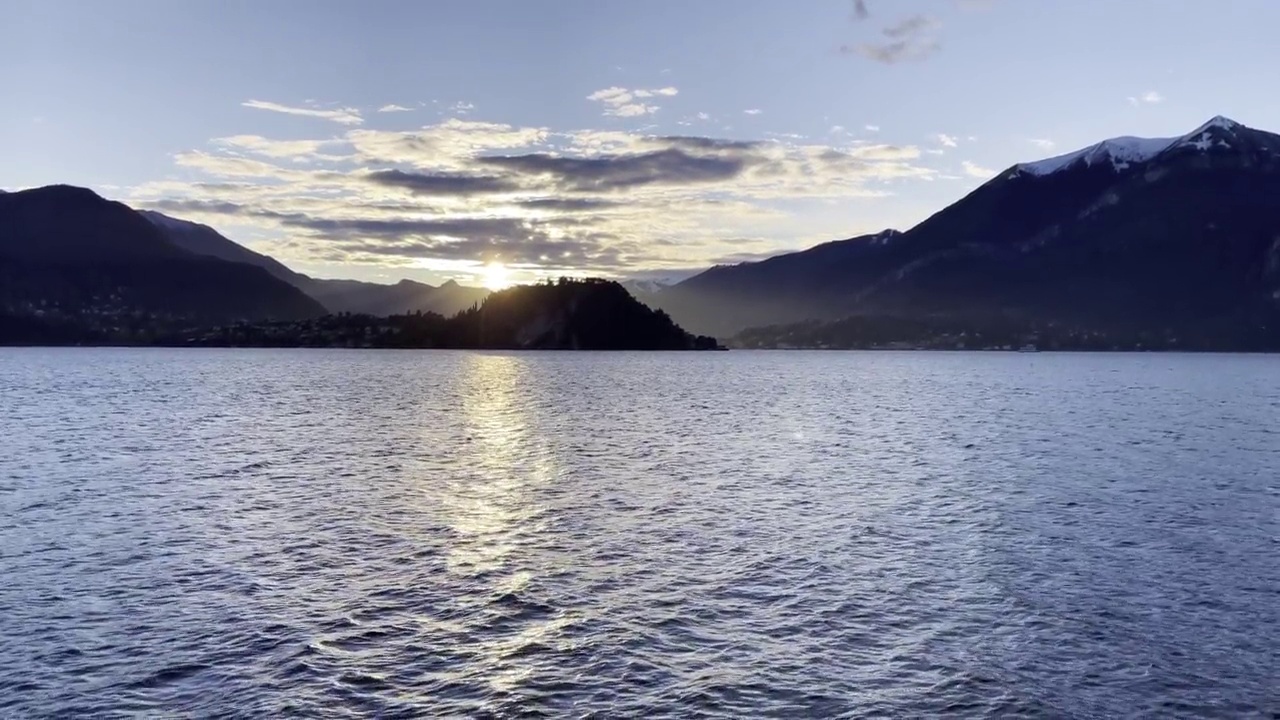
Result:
[{"x": 406, "y": 534}]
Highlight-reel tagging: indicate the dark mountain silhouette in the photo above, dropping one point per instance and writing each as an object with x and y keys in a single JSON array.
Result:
[
  {"x": 565, "y": 315},
  {"x": 353, "y": 296},
  {"x": 1130, "y": 234},
  {"x": 808, "y": 284},
  {"x": 200, "y": 239},
  {"x": 66, "y": 250},
  {"x": 571, "y": 314},
  {"x": 1154, "y": 242},
  {"x": 406, "y": 296}
]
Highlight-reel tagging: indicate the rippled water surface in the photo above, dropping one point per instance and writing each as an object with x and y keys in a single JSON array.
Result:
[{"x": 410, "y": 534}]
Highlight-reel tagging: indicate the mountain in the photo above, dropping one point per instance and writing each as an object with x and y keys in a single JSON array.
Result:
[
  {"x": 65, "y": 251},
  {"x": 566, "y": 315},
  {"x": 201, "y": 239},
  {"x": 1176, "y": 233},
  {"x": 572, "y": 314},
  {"x": 406, "y": 296},
  {"x": 353, "y": 296},
  {"x": 804, "y": 285}
]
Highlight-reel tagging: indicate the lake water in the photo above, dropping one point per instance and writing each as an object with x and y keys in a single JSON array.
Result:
[{"x": 407, "y": 534}]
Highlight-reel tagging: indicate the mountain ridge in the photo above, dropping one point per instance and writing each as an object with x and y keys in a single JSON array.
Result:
[
  {"x": 354, "y": 296},
  {"x": 64, "y": 248},
  {"x": 1187, "y": 230},
  {"x": 1174, "y": 233}
]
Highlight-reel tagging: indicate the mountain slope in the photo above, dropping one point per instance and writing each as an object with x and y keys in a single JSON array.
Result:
[
  {"x": 1129, "y": 232},
  {"x": 810, "y": 284},
  {"x": 1184, "y": 233},
  {"x": 67, "y": 250},
  {"x": 353, "y": 296},
  {"x": 201, "y": 239},
  {"x": 406, "y": 296},
  {"x": 570, "y": 315}
]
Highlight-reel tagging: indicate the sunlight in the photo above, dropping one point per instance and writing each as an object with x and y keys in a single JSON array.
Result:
[{"x": 496, "y": 276}]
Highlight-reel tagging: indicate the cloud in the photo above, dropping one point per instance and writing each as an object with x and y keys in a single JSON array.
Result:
[
  {"x": 665, "y": 92},
  {"x": 1043, "y": 143},
  {"x": 911, "y": 27},
  {"x": 945, "y": 140},
  {"x": 753, "y": 111},
  {"x": 344, "y": 116},
  {"x": 701, "y": 143},
  {"x": 391, "y": 108},
  {"x": 872, "y": 128},
  {"x": 258, "y": 145},
  {"x": 461, "y": 108},
  {"x": 617, "y": 172},
  {"x": 231, "y": 167},
  {"x": 977, "y": 171},
  {"x": 884, "y": 152},
  {"x": 703, "y": 116},
  {"x": 596, "y": 201},
  {"x": 1151, "y": 97},
  {"x": 190, "y": 207},
  {"x": 442, "y": 183},
  {"x": 444, "y": 146},
  {"x": 569, "y": 204},
  {"x": 911, "y": 39},
  {"x": 621, "y": 102},
  {"x": 896, "y": 52}
]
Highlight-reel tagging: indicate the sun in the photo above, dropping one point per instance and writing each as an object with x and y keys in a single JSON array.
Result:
[{"x": 496, "y": 275}]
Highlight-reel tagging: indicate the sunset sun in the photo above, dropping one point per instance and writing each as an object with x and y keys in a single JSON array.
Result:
[{"x": 496, "y": 276}]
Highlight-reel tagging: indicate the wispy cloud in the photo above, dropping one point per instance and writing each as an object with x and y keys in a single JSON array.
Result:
[
  {"x": 946, "y": 140},
  {"x": 753, "y": 111},
  {"x": 913, "y": 38},
  {"x": 258, "y": 145},
  {"x": 1043, "y": 143},
  {"x": 392, "y": 108},
  {"x": 461, "y": 108},
  {"x": 1150, "y": 97},
  {"x": 911, "y": 26},
  {"x": 344, "y": 116},
  {"x": 871, "y": 128},
  {"x": 621, "y": 102},
  {"x": 977, "y": 171}
]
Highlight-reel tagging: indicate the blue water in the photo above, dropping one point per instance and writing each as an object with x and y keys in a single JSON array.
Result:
[{"x": 414, "y": 534}]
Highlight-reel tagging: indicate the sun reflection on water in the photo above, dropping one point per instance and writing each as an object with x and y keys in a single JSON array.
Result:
[
  {"x": 489, "y": 507},
  {"x": 497, "y": 519}
]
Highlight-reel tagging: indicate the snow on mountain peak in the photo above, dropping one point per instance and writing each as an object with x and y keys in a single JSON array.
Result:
[
  {"x": 1220, "y": 122},
  {"x": 1205, "y": 136},
  {"x": 1122, "y": 152}
]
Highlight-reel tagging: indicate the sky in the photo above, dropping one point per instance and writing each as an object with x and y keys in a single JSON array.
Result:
[{"x": 393, "y": 139}]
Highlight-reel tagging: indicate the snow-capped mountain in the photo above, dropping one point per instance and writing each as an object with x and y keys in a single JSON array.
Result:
[
  {"x": 1178, "y": 234},
  {"x": 1124, "y": 152}
]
